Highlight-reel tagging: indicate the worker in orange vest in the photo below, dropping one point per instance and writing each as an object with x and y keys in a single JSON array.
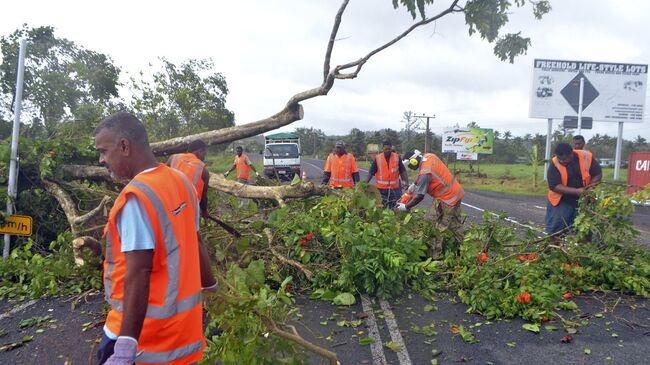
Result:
[
  {"x": 191, "y": 164},
  {"x": 436, "y": 180},
  {"x": 578, "y": 142},
  {"x": 387, "y": 169},
  {"x": 243, "y": 165},
  {"x": 569, "y": 176},
  {"x": 156, "y": 266},
  {"x": 340, "y": 168}
]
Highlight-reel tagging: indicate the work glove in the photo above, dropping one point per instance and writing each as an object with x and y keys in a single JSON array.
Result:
[
  {"x": 401, "y": 207},
  {"x": 226, "y": 173},
  {"x": 124, "y": 352}
]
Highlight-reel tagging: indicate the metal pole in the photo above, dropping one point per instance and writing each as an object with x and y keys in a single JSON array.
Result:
[
  {"x": 547, "y": 154},
  {"x": 582, "y": 91},
  {"x": 426, "y": 138},
  {"x": 12, "y": 188},
  {"x": 619, "y": 145}
]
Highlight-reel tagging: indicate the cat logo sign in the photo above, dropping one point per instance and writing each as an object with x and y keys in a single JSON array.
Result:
[{"x": 19, "y": 225}]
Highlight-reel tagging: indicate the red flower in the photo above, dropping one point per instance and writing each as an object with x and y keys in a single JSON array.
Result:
[
  {"x": 303, "y": 242},
  {"x": 524, "y": 297},
  {"x": 522, "y": 258},
  {"x": 482, "y": 257},
  {"x": 309, "y": 236},
  {"x": 532, "y": 256},
  {"x": 577, "y": 292},
  {"x": 567, "y": 295},
  {"x": 567, "y": 266}
]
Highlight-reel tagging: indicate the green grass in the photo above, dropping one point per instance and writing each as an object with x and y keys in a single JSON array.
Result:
[
  {"x": 501, "y": 178},
  {"x": 512, "y": 178}
]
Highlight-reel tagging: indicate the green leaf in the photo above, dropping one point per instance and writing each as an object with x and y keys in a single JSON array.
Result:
[
  {"x": 532, "y": 327},
  {"x": 344, "y": 299},
  {"x": 393, "y": 346},
  {"x": 296, "y": 180},
  {"x": 366, "y": 341},
  {"x": 550, "y": 327},
  {"x": 587, "y": 351},
  {"x": 568, "y": 305},
  {"x": 430, "y": 308}
]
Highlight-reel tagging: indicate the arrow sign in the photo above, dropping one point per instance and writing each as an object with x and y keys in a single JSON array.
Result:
[{"x": 571, "y": 92}]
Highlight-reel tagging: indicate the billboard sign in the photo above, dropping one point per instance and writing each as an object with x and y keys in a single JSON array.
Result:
[
  {"x": 467, "y": 140},
  {"x": 612, "y": 92},
  {"x": 462, "y": 156}
]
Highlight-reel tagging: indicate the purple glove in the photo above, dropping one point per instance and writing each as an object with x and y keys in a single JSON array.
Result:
[{"x": 124, "y": 351}]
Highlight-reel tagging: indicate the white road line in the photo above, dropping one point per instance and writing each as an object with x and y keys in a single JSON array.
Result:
[
  {"x": 18, "y": 309},
  {"x": 395, "y": 335},
  {"x": 538, "y": 207},
  {"x": 507, "y": 218},
  {"x": 376, "y": 348}
]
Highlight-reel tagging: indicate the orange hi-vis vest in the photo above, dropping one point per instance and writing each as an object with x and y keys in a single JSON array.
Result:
[
  {"x": 340, "y": 169},
  {"x": 192, "y": 167},
  {"x": 387, "y": 175},
  {"x": 172, "y": 332},
  {"x": 584, "y": 158},
  {"x": 243, "y": 170},
  {"x": 444, "y": 186}
]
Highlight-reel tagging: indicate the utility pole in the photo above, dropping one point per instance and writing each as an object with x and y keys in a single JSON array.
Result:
[
  {"x": 12, "y": 185},
  {"x": 426, "y": 130}
]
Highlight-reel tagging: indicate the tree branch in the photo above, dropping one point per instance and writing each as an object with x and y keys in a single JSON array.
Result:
[
  {"x": 269, "y": 236},
  {"x": 330, "y": 44},
  {"x": 360, "y": 62}
]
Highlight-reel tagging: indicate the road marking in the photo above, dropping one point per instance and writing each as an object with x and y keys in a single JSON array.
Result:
[
  {"x": 395, "y": 335},
  {"x": 376, "y": 348},
  {"x": 18, "y": 309},
  {"x": 538, "y": 207},
  {"x": 507, "y": 218}
]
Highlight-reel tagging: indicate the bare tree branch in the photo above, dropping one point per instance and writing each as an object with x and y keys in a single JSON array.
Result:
[
  {"x": 360, "y": 62},
  {"x": 330, "y": 44},
  {"x": 269, "y": 236},
  {"x": 75, "y": 221}
]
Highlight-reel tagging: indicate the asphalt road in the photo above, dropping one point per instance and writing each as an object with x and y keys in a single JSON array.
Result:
[{"x": 616, "y": 328}]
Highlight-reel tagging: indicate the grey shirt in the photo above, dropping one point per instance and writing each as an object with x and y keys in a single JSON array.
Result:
[{"x": 422, "y": 184}]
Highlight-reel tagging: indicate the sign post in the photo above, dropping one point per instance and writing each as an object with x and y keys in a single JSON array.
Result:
[
  {"x": 609, "y": 92},
  {"x": 12, "y": 186}
]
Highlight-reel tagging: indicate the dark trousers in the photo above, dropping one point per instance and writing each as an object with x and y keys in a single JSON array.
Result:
[
  {"x": 560, "y": 216},
  {"x": 389, "y": 197},
  {"x": 105, "y": 349}
]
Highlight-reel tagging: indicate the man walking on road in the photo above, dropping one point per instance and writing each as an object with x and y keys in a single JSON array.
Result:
[
  {"x": 340, "y": 168},
  {"x": 387, "y": 168},
  {"x": 436, "y": 180},
  {"x": 243, "y": 165},
  {"x": 569, "y": 176},
  {"x": 191, "y": 164},
  {"x": 155, "y": 266}
]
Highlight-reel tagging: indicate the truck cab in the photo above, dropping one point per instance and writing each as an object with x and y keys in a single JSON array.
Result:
[{"x": 282, "y": 156}]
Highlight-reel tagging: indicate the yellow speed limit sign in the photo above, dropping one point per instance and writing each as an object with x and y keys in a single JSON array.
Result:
[{"x": 19, "y": 225}]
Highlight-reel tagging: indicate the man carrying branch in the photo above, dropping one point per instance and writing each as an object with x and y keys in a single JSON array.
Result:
[{"x": 569, "y": 176}]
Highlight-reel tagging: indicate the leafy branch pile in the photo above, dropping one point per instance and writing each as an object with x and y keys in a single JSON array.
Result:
[
  {"x": 32, "y": 274},
  {"x": 501, "y": 274}
]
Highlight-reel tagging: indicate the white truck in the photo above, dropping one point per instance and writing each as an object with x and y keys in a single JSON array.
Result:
[{"x": 282, "y": 156}]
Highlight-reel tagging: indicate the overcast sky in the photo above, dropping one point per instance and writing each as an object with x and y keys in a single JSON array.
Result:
[{"x": 271, "y": 50}]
